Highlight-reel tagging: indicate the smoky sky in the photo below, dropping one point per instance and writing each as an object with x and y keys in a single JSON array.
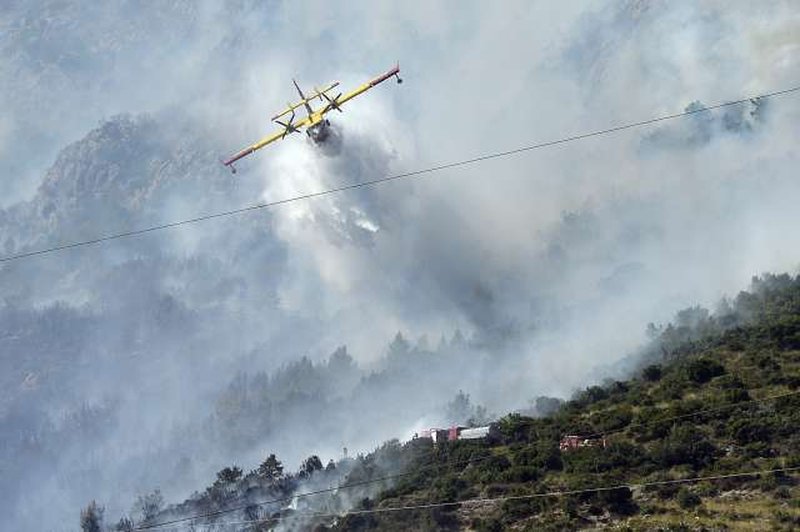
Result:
[{"x": 557, "y": 258}]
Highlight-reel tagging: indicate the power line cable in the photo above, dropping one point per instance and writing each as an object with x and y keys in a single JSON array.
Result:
[
  {"x": 386, "y": 179},
  {"x": 693, "y": 414},
  {"x": 557, "y": 493},
  {"x": 216, "y": 513},
  {"x": 433, "y": 465}
]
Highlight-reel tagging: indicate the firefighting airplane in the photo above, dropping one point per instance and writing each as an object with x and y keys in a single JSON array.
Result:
[{"x": 316, "y": 125}]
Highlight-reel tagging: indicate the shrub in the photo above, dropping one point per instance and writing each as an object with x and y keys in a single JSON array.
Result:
[
  {"x": 541, "y": 456},
  {"x": 685, "y": 445},
  {"x": 445, "y": 518},
  {"x": 521, "y": 474},
  {"x": 736, "y": 395},
  {"x": 448, "y": 488},
  {"x": 792, "y": 381},
  {"x": 598, "y": 459},
  {"x": 619, "y": 501},
  {"x": 751, "y": 430},
  {"x": 786, "y": 518},
  {"x": 520, "y": 508},
  {"x": 671, "y": 387},
  {"x": 496, "y": 464},
  {"x": 613, "y": 419},
  {"x": 688, "y": 500},
  {"x": 702, "y": 370},
  {"x": 666, "y": 491},
  {"x": 652, "y": 373},
  {"x": 487, "y": 525}
]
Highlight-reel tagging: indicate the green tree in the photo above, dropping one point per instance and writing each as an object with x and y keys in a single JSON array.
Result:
[
  {"x": 399, "y": 348},
  {"x": 547, "y": 406},
  {"x": 310, "y": 465},
  {"x": 228, "y": 475},
  {"x": 92, "y": 518},
  {"x": 149, "y": 505},
  {"x": 270, "y": 469},
  {"x": 124, "y": 525},
  {"x": 459, "y": 409}
]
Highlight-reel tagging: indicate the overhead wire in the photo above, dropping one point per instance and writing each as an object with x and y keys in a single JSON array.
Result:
[
  {"x": 504, "y": 498},
  {"x": 390, "y": 178},
  {"x": 437, "y": 465},
  {"x": 425, "y": 467},
  {"x": 374, "y": 182},
  {"x": 232, "y": 509},
  {"x": 692, "y": 414}
]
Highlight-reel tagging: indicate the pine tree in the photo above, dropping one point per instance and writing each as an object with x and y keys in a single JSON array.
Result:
[{"x": 92, "y": 518}]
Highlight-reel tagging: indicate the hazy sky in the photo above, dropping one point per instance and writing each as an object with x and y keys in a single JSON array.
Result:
[{"x": 574, "y": 247}]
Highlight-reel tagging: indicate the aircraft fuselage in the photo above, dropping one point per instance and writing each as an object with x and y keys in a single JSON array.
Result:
[{"x": 319, "y": 131}]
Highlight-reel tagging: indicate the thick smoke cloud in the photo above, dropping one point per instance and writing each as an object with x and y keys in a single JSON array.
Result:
[{"x": 551, "y": 263}]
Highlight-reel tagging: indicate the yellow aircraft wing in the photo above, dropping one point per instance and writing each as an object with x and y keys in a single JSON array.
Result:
[
  {"x": 269, "y": 139},
  {"x": 314, "y": 117},
  {"x": 339, "y": 100}
]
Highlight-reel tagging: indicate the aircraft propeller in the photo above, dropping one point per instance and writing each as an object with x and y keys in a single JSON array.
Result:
[
  {"x": 332, "y": 103},
  {"x": 288, "y": 127}
]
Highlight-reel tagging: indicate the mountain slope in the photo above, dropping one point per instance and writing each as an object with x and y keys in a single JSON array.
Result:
[
  {"x": 727, "y": 366},
  {"x": 716, "y": 395}
]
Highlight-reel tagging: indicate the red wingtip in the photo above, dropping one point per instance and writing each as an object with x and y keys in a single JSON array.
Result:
[{"x": 229, "y": 164}]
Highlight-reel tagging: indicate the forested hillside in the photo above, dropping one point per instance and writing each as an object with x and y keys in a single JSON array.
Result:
[
  {"x": 491, "y": 236},
  {"x": 716, "y": 396}
]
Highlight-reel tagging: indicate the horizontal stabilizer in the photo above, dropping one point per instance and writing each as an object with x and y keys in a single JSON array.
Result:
[{"x": 305, "y": 101}]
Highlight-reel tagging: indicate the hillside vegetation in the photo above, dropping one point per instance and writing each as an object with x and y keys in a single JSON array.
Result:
[
  {"x": 715, "y": 395},
  {"x": 695, "y": 409}
]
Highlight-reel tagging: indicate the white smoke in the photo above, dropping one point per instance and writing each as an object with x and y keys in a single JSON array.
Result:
[{"x": 553, "y": 260}]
